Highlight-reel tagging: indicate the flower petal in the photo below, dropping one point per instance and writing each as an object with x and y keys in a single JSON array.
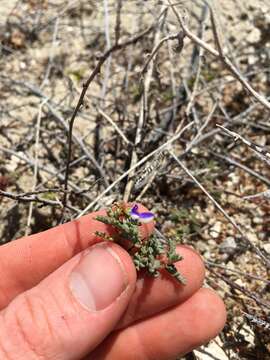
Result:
[
  {"x": 134, "y": 213},
  {"x": 134, "y": 216},
  {"x": 146, "y": 217}
]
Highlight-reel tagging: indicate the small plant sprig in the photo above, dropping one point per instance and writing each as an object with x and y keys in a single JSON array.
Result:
[{"x": 151, "y": 254}]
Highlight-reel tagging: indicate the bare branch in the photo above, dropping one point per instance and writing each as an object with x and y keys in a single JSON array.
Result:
[
  {"x": 86, "y": 85},
  {"x": 120, "y": 132},
  {"x": 262, "y": 153},
  {"x": 36, "y": 164},
  {"x": 135, "y": 166},
  {"x": 225, "y": 60}
]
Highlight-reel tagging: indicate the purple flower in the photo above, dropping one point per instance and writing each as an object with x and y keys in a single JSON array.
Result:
[{"x": 143, "y": 217}]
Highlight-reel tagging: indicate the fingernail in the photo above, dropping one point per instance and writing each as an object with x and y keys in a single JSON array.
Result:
[{"x": 99, "y": 279}]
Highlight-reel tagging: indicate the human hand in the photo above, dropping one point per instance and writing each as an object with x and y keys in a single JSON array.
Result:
[{"x": 48, "y": 311}]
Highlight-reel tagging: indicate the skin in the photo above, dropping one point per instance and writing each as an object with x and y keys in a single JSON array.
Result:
[{"x": 152, "y": 319}]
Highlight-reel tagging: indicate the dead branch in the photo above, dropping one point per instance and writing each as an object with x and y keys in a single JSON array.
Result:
[
  {"x": 218, "y": 206},
  {"x": 224, "y": 59},
  {"x": 86, "y": 85}
]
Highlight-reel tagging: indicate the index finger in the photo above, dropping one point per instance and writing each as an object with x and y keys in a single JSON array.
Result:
[{"x": 26, "y": 261}]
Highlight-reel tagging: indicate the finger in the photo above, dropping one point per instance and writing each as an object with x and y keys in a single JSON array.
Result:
[
  {"x": 72, "y": 310},
  {"x": 25, "y": 262},
  {"x": 172, "y": 333},
  {"x": 153, "y": 295}
]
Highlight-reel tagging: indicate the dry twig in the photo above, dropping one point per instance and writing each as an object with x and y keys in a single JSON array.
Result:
[{"x": 220, "y": 56}]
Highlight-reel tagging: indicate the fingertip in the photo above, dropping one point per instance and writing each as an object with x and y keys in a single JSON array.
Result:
[
  {"x": 191, "y": 266},
  {"x": 171, "y": 333},
  {"x": 206, "y": 311},
  {"x": 153, "y": 295},
  {"x": 213, "y": 309},
  {"x": 197, "y": 321}
]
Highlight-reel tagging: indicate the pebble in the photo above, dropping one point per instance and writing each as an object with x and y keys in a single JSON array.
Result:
[
  {"x": 267, "y": 248},
  {"x": 257, "y": 220},
  {"x": 216, "y": 229},
  {"x": 167, "y": 226},
  {"x": 254, "y": 36},
  {"x": 228, "y": 245}
]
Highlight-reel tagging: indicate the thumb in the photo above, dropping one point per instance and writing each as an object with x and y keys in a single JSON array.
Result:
[{"x": 71, "y": 311}]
